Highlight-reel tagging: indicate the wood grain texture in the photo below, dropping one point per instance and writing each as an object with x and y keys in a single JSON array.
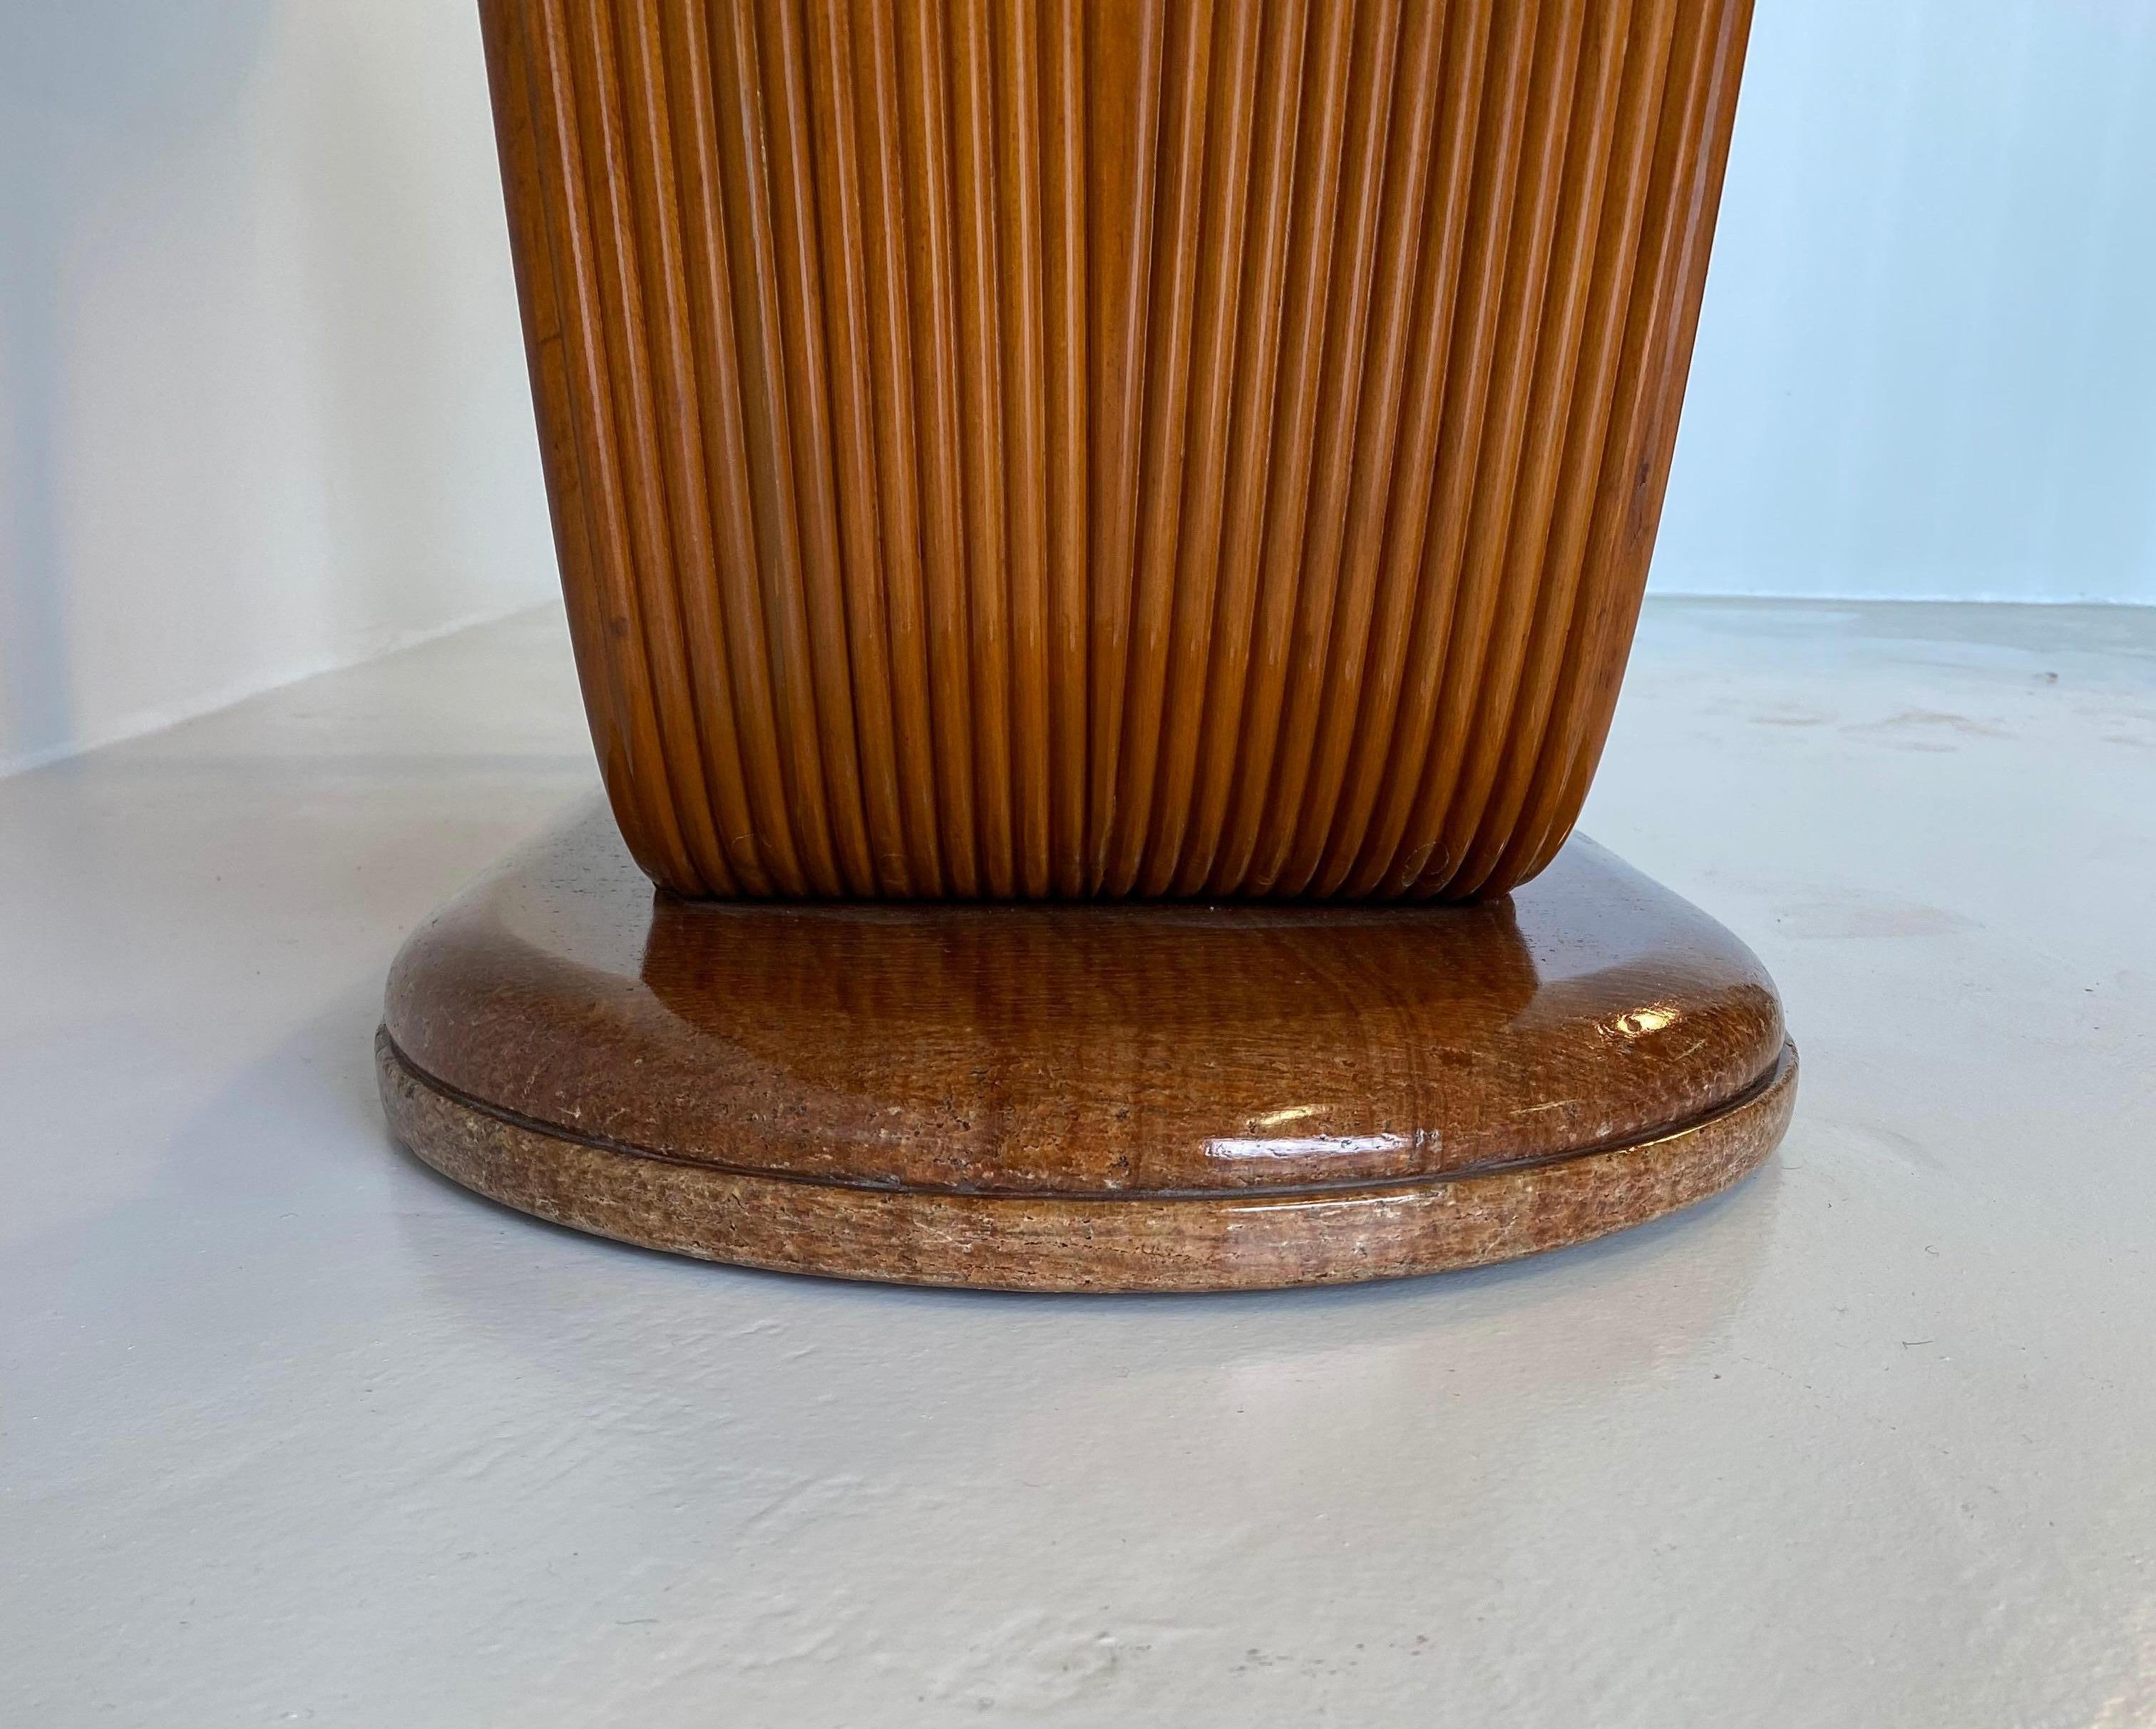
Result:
[
  {"x": 1124, "y": 1096},
  {"x": 1031, "y": 448}
]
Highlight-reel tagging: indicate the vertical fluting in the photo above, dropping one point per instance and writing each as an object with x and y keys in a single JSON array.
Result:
[
  {"x": 924, "y": 748},
  {"x": 973, "y": 155},
  {"x": 1354, "y": 268},
  {"x": 725, "y": 826},
  {"x": 526, "y": 112},
  {"x": 1174, "y": 275},
  {"x": 1194, "y": 800},
  {"x": 1556, "y": 609},
  {"x": 1251, "y": 714},
  {"x": 1017, "y": 155},
  {"x": 1478, "y": 303},
  {"x": 650, "y": 821},
  {"x": 1155, "y": 809},
  {"x": 745, "y": 202},
  {"x": 1067, "y": 387},
  {"x": 788, "y": 169},
  {"x": 932, "y": 303},
  {"x": 1026, "y": 448},
  {"x": 1524, "y": 577},
  {"x": 1402, "y": 231},
  {"x": 1408, "y": 511},
  {"x": 1124, "y": 45},
  {"x": 714, "y": 389},
  {"x": 1521, "y": 337},
  {"x": 835, "y": 145},
  {"x": 1691, "y": 148}
]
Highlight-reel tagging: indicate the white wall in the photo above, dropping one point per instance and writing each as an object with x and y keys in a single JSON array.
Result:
[
  {"x": 1927, "y": 362},
  {"x": 263, "y": 407}
]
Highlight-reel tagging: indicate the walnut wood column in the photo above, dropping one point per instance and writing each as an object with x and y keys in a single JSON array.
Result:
[
  {"x": 1042, "y": 449},
  {"x": 1028, "y": 450}
]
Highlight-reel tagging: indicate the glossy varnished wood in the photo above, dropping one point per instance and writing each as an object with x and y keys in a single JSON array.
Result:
[
  {"x": 1108, "y": 1096},
  {"x": 1156, "y": 454},
  {"x": 1060, "y": 449}
]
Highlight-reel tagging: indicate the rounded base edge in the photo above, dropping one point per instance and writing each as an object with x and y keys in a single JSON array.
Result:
[{"x": 1249, "y": 1240}]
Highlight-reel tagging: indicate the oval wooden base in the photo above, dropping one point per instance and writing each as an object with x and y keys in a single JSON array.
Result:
[{"x": 1118, "y": 1097}]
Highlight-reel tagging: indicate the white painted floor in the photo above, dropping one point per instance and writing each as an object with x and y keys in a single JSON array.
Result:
[{"x": 291, "y": 1429}]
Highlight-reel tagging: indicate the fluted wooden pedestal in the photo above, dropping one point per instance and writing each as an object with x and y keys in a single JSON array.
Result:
[{"x": 1011, "y": 454}]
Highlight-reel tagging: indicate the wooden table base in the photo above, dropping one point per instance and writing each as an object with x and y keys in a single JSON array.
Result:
[{"x": 1125, "y": 1096}]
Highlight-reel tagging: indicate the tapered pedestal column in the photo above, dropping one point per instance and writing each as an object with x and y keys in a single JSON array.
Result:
[
  {"x": 1013, "y": 468},
  {"x": 1125, "y": 1096}
]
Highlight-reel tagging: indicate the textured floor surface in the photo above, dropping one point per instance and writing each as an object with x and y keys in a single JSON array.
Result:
[{"x": 291, "y": 1429}]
